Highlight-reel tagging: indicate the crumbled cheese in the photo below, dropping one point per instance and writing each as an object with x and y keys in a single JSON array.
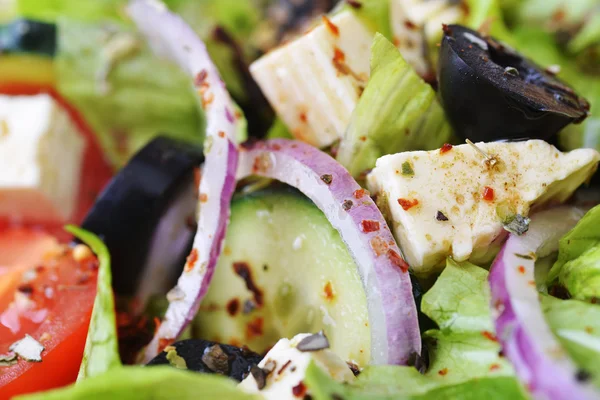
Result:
[
  {"x": 286, "y": 367},
  {"x": 28, "y": 349},
  {"x": 475, "y": 197}
]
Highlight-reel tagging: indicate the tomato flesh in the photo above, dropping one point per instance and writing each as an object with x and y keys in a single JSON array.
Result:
[{"x": 48, "y": 295}]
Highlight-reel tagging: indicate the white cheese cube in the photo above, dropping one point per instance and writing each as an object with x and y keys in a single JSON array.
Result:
[
  {"x": 289, "y": 365},
  {"x": 415, "y": 23},
  {"x": 454, "y": 203},
  {"x": 315, "y": 81},
  {"x": 41, "y": 153}
]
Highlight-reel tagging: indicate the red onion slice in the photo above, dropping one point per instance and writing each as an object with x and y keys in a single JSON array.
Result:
[
  {"x": 527, "y": 341},
  {"x": 174, "y": 39},
  {"x": 392, "y": 312}
]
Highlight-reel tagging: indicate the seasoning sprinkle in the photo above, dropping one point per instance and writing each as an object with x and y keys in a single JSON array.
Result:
[
  {"x": 490, "y": 160},
  {"x": 440, "y": 216},
  {"x": 315, "y": 342},
  {"x": 354, "y": 3},
  {"x": 347, "y": 204},
  {"x": 445, "y": 148},
  {"x": 407, "y": 203},
  {"x": 327, "y": 178},
  {"x": 407, "y": 169},
  {"x": 259, "y": 376}
]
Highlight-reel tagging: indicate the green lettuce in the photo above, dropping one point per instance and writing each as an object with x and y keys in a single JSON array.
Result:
[
  {"x": 127, "y": 101},
  {"x": 397, "y": 112},
  {"x": 142, "y": 383},
  {"x": 577, "y": 326},
  {"x": 373, "y": 13},
  {"x": 101, "y": 351},
  {"x": 464, "y": 361}
]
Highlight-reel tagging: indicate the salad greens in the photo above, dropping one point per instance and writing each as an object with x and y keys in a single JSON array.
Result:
[
  {"x": 385, "y": 109},
  {"x": 577, "y": 265},
  {"x": 101, "y": 352},
  {"x": 159, "y": 383},
  {"x": 126, "y": 93}
]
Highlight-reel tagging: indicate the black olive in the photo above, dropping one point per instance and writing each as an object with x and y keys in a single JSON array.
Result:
[
  {"x": 146, "y": 217},
  {"x": 211, "y": 358},
  {"x": 491, "y": 92},
  {"x": 28, "y": 36}
]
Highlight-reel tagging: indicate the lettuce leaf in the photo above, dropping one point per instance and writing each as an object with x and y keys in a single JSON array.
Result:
[
  {"x": 397, "y": 112},
  {"x": 101, "y": 352},
  {"x": 141, "y": 383},
  {"x": 577, "y": 326},
  {"x": 373, "y": 13},
  {"x": 142, "y": 96}
]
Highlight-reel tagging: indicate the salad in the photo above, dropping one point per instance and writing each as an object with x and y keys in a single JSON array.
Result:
[{"x": 283, "y": 199}]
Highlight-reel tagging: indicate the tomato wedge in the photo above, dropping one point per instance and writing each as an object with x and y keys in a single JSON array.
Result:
[
  {"x": 47, "y": 291},
  {"x": 96, "y": 172}
]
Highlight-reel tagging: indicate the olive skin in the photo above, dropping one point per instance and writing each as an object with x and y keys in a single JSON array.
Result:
[
  {"x": 146, "y": 214},
  {"x": 199, "y": 357},
  {"x": 489, "y": 92},
  {"x": 28, "y": 36}
]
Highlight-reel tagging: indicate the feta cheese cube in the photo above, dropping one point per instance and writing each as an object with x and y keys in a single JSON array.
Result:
[
  {"x": 41, "y": 153},
  {"x": 315, "y": 81},
  {"x": 455, "y": 202},
  {"x": 287, "y": 366}
]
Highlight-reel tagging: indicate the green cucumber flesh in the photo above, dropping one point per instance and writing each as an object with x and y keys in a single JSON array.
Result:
[{"x": 304, "y": 275}]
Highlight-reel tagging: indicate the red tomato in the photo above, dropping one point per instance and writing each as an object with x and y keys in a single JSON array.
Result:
[
  {"x": 46, "y": 293},
  {"x": 96, "y": 171}
]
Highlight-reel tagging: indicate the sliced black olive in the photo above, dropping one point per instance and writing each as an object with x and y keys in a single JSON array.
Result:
[
  {"x": 28, "y": 36},
  {"x": 146, "y": 216},
  {"x": 210, "y": 358},
  {"x": 491, "y": 92}
]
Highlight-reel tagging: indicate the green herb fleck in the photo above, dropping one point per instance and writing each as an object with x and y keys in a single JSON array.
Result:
[
  {"x": 407, "y": 169},
  {"x": 176, "y": 360}
]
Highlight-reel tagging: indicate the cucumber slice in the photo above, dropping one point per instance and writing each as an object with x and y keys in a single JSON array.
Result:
[{"x": 302, "y": 279}]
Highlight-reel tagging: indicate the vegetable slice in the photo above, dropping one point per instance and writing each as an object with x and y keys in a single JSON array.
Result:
[
  {"x": 171, "y": 37},
  {"x": 101, "y": 351},
  {"x": 392, "y": 312},
  {"x": 526, "y": 338}
]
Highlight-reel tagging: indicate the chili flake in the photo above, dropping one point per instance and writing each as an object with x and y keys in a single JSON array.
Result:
[
  {"x": 331, "y": 26},
  {"x": 369, "y": 225},
  {"x": 354, "y": 3},
  {"x": 191, "y": 260},
  {"x": 397, "y": 260},
  {"x": 494, "y": 367},
  {"x": 200, "y": 78},
  {"x": 299, "y": 390},
  {"x": 410, "y": 25},
  {"x": 445, "y": 148},
  {"x": 408, "y": 203},
  {"x": 488, "y": 193},
  {"x": 489, "y": 335},
  {"x": 443, "y": 371},
  {"x": 359, "y": 193},
  {"x": 233, "y": 307},
  {"x": 521, "y": 269}
]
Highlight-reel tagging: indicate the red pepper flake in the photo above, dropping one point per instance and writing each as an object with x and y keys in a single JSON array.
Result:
[
  {"x": 443, "y": 371},
  {"x": 338, "y": 56},
  {"x": 203, "y": 197},
  {"x": 369, "y": 225},
  {"x": 328, "y": 291},
  {"x": 397, "y": 260},
  {"x": 494, "y": 367},
  {"x": 445, "y": 148},
  {"x": 410, "y": 25},
  {"x": 197, "y": 177},
  {"x": 407, "y": 203},
  {"x": 488, "y": 193},
  {"x": 489, "y": 335},
  {"x": 275, "y": 146},
  {"x": 359, "y": 193},
  {"x": 283, "y": 367},
  {"x": 207, "y": 99},
  {"x": 327, "y": 178},
  {"x": 254, "y": 328},
  {"x": 262, "y": 163},
  {"x": 200, "y": 78},
  {"x": 164, "y": 342},
  {"x": 302, "y": 117},
  {"x": 331, "y": 26},
  {"x": 233, "y": 307},
  {"x": 242, "y": 269},
  {"x": 299, "y": 390},
  {"x": 156, "y": 324},
  {"x": 26, "y": 289},
  {"x": 521, "y": 269},
  {"x": 354, "y": 4},
  {"x": 191, "y": 260},
  {"x": 379, "y": 246},
  {"x": 221, "y": 134}
]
